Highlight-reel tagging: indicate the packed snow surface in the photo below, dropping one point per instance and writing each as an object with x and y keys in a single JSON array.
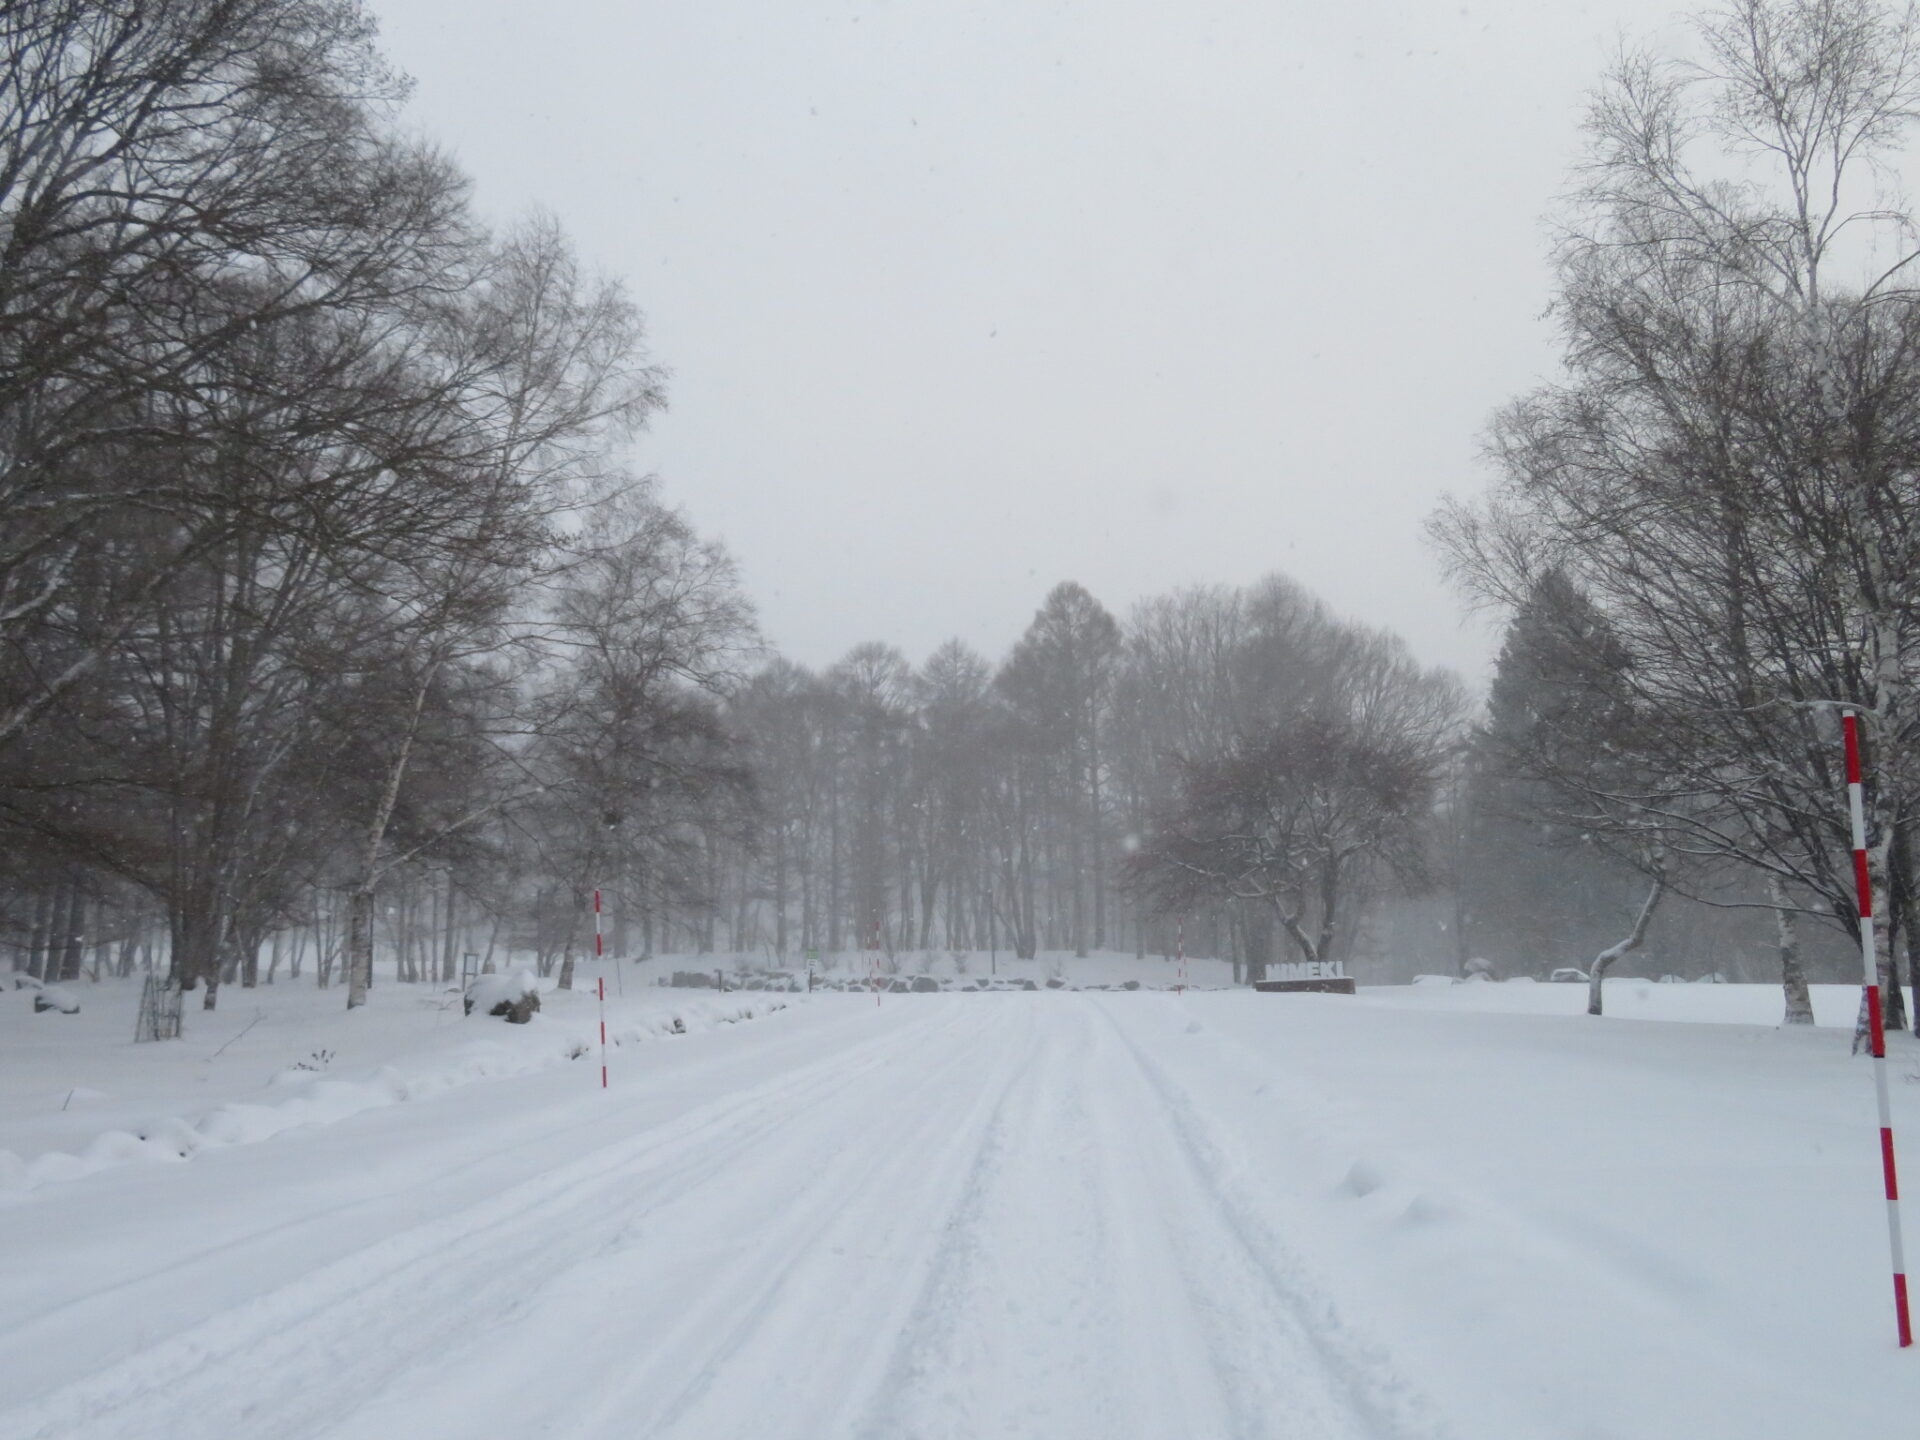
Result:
[{"x": 1429, "y": 1211}]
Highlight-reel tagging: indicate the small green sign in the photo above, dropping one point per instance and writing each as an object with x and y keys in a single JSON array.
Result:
[{"x": 813, "y": 954}]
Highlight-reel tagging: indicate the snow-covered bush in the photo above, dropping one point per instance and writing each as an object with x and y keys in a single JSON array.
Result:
[
  {"x": 514, "y": 996},
  {"x": 57, "y": 997}
]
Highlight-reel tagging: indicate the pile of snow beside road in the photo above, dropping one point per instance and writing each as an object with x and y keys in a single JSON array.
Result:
[{"x": 80, "y": 1097}]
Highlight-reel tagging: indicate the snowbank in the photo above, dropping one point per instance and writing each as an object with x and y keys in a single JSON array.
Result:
[{"x": 52, "y": 1094}]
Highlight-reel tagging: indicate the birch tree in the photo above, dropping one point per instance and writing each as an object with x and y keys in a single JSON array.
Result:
[{"x": 1727, "y": 472}]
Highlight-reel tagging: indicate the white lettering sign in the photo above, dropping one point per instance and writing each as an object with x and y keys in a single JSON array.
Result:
[{"x": 1307, "y": 970}]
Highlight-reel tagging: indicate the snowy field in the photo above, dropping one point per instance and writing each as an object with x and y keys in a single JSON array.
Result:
[{"x": 1434, "y": 1210}]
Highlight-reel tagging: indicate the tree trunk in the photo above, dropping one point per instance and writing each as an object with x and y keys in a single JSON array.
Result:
[
  {"x": 1309, "y": 950},
  {"x": 1793, "y": 980},
  {"x": 449, "y": 942},
  {"x": 1260, "y": 937},
  {"x": 779, "y": 897},
  {"x": 573, "y": 926},
  {"x": 360, "y": 923},
  {"x": 1604, "y": 961},
  {"x": 1095, "y": 836},
  {"x": 326, "y": 941},
  {"x": 359, "y": 955},
  {"x": 70, "y": 939},
  {"x": 40, "y": 941},
  {"x": 1077, "y": 865}
]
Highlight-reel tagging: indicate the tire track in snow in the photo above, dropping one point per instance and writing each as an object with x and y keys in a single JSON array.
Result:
[
  {"x": 789, "y": 1325},
  {"x": 349, "y": 1327},
  {"x": 76, "y": 1321},
  {"x": 1267, "y": 1282},
  {"x": 988, "y": 1219},
  {"x": 1053, "y": 1305},
  {"x": 1092, "y": 1282}
]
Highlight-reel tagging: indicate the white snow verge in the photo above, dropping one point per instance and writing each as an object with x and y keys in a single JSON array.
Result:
[{"x": 320, "y": 1100}]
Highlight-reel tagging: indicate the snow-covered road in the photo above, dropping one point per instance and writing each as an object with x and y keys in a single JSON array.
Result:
[
  {"x": 1065, "y": 1216},
  {"x": 961, "y": 1216}
]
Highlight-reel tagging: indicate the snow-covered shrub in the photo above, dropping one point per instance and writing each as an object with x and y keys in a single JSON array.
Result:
[
  {"x": 514, "y": 996},
  {"x": 57, "y": 997}
]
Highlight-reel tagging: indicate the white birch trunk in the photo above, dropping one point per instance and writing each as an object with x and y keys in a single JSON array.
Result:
[
  {"x": 1793, "y": 979},
  {"x": 360, "y": 910}
]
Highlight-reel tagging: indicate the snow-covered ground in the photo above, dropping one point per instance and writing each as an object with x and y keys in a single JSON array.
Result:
[
  {"x": 1466, "y": 1211},
  {"x": 76, "y": 1095}
]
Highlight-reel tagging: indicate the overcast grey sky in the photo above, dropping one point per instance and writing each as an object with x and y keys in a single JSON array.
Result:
[{"x": 964, "y": 299}]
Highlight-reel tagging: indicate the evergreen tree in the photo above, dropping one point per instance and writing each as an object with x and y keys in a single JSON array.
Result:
[{"x": 1541, "y": 888}]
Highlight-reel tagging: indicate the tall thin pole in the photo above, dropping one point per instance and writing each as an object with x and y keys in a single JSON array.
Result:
[
  {"x": 600, "y": 948},
  {"x": 1876, "y": 1028},
  {"x": 603, "y": 1031}
]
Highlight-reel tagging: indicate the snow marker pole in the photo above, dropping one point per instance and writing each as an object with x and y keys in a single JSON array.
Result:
[
  {"x": 1876, "y": 1027},
  {"x": 603, "y": 1032},
  {"x": 599, "y": 947}
]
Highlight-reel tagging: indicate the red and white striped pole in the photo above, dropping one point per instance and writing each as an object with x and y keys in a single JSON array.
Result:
[
  {"x": 1876, "y": 1028},
  {"x": 603, "y": 1032},
  {"x": 599, "y": 949}
]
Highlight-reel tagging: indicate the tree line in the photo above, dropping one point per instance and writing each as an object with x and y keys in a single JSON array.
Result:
[
  {"x": 1083, "y": 793},
  {"x": 334, "y": 621}
]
